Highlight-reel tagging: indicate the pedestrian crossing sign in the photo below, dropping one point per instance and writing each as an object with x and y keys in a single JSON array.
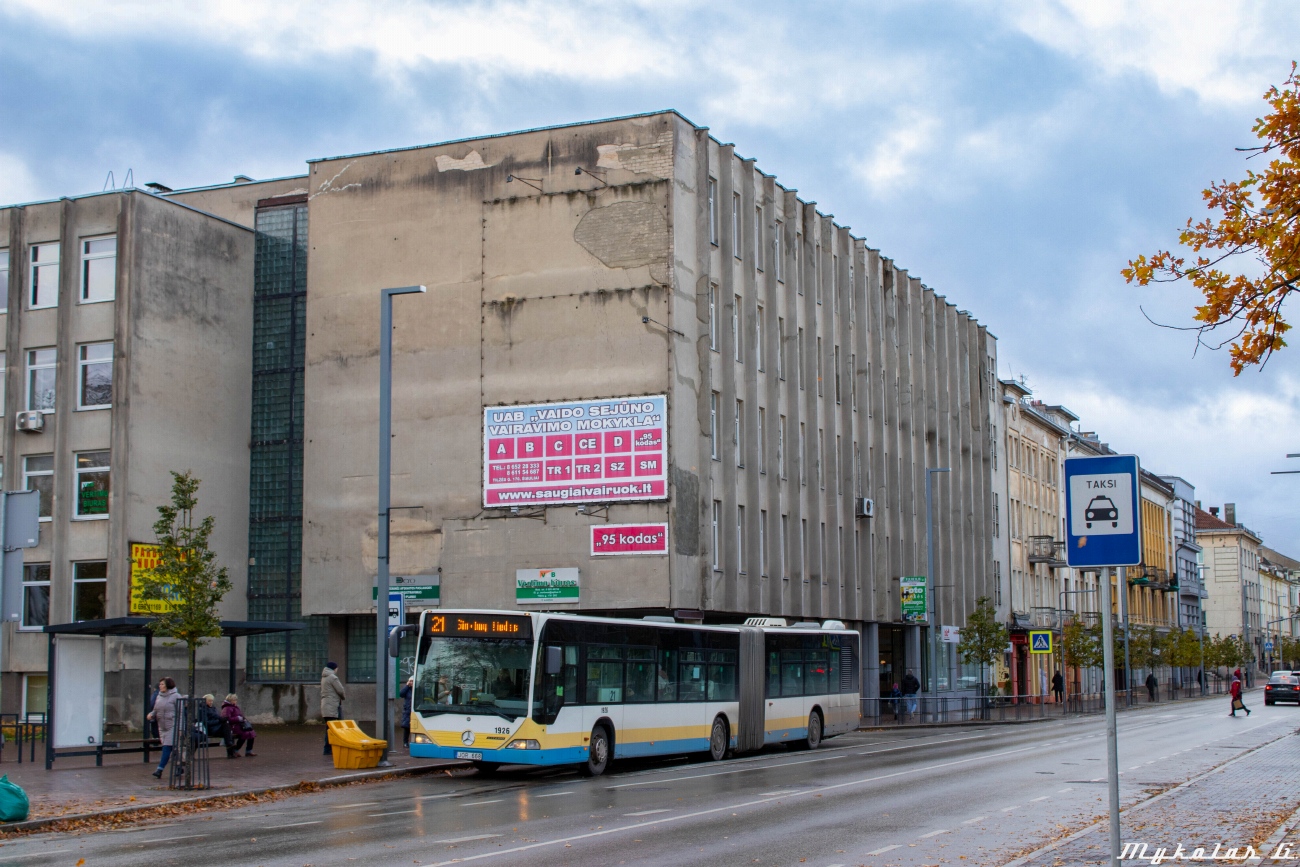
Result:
[{"x": 1040, "y": 642}]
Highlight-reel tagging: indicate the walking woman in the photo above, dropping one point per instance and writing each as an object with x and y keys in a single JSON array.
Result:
[
  {"x": 1237, "y": 703},
  {"x": 164, "y": 714},
  {"x": 404, "y": 719}
]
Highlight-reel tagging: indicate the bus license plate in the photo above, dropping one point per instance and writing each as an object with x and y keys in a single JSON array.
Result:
[{"x": 465, "y": 754}]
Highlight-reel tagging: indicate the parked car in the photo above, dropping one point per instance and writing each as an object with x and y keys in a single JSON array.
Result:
[
  {"x": 1101, "y": 509},
  {"x": 1282, "y": 686}
]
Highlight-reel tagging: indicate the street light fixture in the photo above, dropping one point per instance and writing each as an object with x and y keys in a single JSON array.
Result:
[
  {"x": 932, "y": 600},
  {"x": 383, "y": 723}
]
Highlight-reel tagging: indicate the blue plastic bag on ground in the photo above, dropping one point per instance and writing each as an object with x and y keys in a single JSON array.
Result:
[{"x": 14, "y": 805}]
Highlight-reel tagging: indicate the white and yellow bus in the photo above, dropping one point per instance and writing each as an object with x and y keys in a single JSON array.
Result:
[{"x": 498, "y": 687}]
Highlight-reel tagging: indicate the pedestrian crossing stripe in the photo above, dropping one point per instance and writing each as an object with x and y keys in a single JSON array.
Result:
[{"x": 1040, "y": 642}]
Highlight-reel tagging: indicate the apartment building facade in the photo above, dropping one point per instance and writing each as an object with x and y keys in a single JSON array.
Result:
[
  {"x": 1187, "y": 555},
  {"x": 1231, "y": 555}
]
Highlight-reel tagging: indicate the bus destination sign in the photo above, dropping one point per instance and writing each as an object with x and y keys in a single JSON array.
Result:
[{"x": 480, "y": 625}]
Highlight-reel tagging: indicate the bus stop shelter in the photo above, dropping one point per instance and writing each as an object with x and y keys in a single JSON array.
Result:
[{"x": 132, "y": 627}]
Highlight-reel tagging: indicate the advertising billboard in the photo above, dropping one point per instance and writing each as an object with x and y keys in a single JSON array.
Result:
[
  {"x": 143, "y": 558},
  {"x": 912, "y": 592},
  {"x": 627, "y": 539},
  {"x": 582, "y": 451}
]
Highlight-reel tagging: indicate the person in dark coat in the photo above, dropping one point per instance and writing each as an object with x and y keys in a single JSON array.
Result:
[
  {"x": 212, "y": 722},
  {"x": 241, "y": 730},
  {"x": 911, "y": 686},
  {"x": 896, "y": 699},
  {"x": 1152, "y": 683},
  {"x": 1058, "y": 687},
  {"x": 404, "y": 719}
]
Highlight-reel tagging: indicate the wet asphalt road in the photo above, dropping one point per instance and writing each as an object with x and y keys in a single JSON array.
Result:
[{"x": 901, "y": 797}]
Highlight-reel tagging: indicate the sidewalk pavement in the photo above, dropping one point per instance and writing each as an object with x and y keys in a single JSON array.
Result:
[{"x": 285, "y": 755}]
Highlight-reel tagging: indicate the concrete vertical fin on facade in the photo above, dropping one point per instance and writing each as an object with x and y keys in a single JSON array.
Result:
[
  {"x": 119, "y": 572},
  {"x": 724, "y": 486},
  {"x": 792, "y": 460},
  {"x": 749, "y": 594},
  {"x": 13, "y": 382},
  {"x": 65, "y": 379}
]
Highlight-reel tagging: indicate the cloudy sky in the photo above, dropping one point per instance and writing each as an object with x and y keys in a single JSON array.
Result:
[{"x": 1013, "y": 155}]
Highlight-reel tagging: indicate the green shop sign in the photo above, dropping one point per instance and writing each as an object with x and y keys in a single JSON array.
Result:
[
  {"x": 912, "y": 592},
  {"x": 533, "y": 586},
  {"x": 414, "y": 588}
]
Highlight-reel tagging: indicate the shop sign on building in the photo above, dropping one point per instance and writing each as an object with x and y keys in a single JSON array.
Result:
[
  {"x": 415, "y": 588},
  {"x": 541, "y": 586},
  {"x": 586, "y": 451},
  {"x": 912, "y": 592},
  {"x": 143, "y": 558},
  {"x": 616, "y": 539}
]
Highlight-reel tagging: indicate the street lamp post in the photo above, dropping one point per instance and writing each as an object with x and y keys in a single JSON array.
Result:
[
  {"x": 382, "y": 721},
  {"x": 931, "y": 598}
]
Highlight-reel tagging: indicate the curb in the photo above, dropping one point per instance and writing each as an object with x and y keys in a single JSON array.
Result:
[{"x": 325, "y": 782}]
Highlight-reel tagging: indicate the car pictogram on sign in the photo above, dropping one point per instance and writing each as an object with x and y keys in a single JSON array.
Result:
[{"x": 1101, "y": 509}]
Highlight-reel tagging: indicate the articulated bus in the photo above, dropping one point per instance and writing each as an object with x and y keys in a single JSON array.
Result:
[{"x": 498, "y": 687}]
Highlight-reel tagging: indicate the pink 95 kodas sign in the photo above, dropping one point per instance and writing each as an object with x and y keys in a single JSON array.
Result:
[{"x": 613, "y": 539}]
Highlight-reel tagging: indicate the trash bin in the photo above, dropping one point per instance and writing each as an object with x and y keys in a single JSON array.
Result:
[{"x": 354, "y": 749}]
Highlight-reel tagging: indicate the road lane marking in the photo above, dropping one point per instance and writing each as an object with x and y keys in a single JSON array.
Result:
[
  {"x": 481, "y": 803},
  {"x": 1012, "y": 807},
  {"x": 934, "y": 833},
  {"x": 169, "y": 839},
  {"x": 926, "y": 744},
  {"x": 729, "y": 807},
  {"x": 350, "y": 806},
  {"x": 297, "y": 824},
  {"x": 647, "y": 812},
  {"x": 35, "y": 854},
  {"x": 781, "y": 794},
  {"x": 467, "y": 839},
  {"x": 554, "y": 794},
  {"x": 883, "y": 849},
  {"x": 446, "y": 795},
  {"x": 1044, "y": 798},
  {"x": 1063, "y": 791},
  {"x": 976, "y": 819},
  {"x": 398, "y": 812},
  {"x": 657, "y": 781}
]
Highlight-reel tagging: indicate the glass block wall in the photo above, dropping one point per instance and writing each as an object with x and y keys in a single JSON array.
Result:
[{"x": 275, "y": 489}]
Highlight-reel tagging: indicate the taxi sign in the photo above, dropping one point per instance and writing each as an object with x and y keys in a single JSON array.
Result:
[
  {"x": 1040, "y": 641},
  {"x": 1103, "y": 521}
]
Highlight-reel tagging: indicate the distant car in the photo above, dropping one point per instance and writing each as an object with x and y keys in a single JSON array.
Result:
[
  {"x": 1282, "y": 686},
  {"x": 1101, "y": 509}
]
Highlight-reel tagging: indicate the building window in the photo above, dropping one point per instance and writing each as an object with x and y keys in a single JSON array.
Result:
[
  {"x": 798, "y": 278},
  {"x": 758, "y": 338},
  {"x": 713, "y": 425},
  {"x": 740, "y": 539},
  {"x": 735, "y": 330},
  {"x": 817, "y": 272},
  {"x": 995, "y": 513},
  {"x": 98, "y": 269},
  {"x": 713, "y": 211},
  {"x": 776, "y": 254},
  {"x": 803, "y": 452},
  {"x": 758, "y": 237},
  {"x": 89, "y": 590},
  {"x": 361, "y": 650},
  {"x": 803, "y": 547},
  {"x": 40, "y": 379},
  {"x": 45, "y": 276},
  {"x": 852, "y": 293},
  {"x": 762, "y": 434},
  {"x": 38, "y": 475},
  {"x": 837, "y": 374},
  {"x": 997, "y": 582},
  {"x": 735, "y": 225},
  {"x": 819, "y": 367},
  {"x": 92, "y": 485},
  {"x": 717, "y": 539},
  {"x": 853, "y": 381},
  {"x": 95, "y": 376},
  {"x": 821, "y": 450},
  {"x": 739, "y": 433},
  {"x": 3, "y": 394},
  {"x": 836, "y": 467},
  {"x": 4, "y": 280},
  {"x": 36, "y": 595}
]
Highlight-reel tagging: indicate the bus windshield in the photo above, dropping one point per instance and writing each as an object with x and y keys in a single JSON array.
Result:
[{"x": 473, "y": 676}]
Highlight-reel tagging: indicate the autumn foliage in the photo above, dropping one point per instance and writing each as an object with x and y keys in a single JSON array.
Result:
[{"x": 1257, "y": 217}]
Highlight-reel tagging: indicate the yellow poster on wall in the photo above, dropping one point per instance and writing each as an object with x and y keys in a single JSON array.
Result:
[{"x": 143, "y": 558}]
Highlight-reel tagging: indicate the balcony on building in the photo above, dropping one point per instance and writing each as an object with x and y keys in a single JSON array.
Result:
[{"x": 1046, "y": 549}]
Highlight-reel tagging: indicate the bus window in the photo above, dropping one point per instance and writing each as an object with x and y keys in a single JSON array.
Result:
[
  {"x": 722, "y": 675},
  {"x": 604, "y": 674},
  {"x": 666, "y": 676},
  {"x": 640, "y": 679},
  {"x": 690, "y": 686},
  {"x": 815, "y": 669},
  {"x": 791, "y": 672}
]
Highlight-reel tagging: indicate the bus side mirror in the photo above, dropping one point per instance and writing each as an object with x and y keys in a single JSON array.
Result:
[
  {"x": 395, "y": 638},
  {"x": 554, "y": 660}
]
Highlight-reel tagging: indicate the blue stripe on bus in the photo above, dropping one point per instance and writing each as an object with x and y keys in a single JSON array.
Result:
[
  {"x": 562, "y": 756},
  {"x": 785, "y": 736},
  {"x": 659, "y": 748}
]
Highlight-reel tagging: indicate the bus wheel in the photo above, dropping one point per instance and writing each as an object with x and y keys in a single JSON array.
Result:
[
  {"x": 597, "y": 753},
  {"x": 719, "y": 739},
  {"x": 487, "y": 767},
  {"x": 814, "y": 731}
]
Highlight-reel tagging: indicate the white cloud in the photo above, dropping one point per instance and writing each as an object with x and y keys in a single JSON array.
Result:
[
  {"x": 1221, "y": 52},
  {"x": 17, "y": 183}
]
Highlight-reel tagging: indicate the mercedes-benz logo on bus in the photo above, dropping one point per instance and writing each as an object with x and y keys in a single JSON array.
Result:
[{"x": 467, "y": 738}]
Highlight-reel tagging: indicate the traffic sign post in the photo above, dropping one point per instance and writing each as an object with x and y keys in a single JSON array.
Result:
[
  {"x": 1040, "y": 641},
  {"x": 1103, "y": 526}
]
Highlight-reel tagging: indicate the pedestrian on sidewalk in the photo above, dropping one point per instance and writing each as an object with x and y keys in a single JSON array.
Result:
[
  {"x": 1058, "y": 686},
  {"x": 404, "y": 720},
  {"x": 241, "y": 730},
  {"x": 1237, "y": 703},
  {"x": 1152, "y": 683},
  {"x": 164, "y": 714},
  {"x": 911, "y": 686},
  {"x": 332, "y": 696},
  {"x": 896, "y": 699}
]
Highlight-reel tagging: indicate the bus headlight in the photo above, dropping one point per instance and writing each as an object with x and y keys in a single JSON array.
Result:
[
  {"x": 523, "y": 744},
  {"x": 420, "y": 738}
]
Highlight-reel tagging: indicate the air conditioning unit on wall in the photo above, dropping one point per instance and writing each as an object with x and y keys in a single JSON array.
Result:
[
  {"x": 864, "y": 507},
  {"x": 32, "y": 421}
]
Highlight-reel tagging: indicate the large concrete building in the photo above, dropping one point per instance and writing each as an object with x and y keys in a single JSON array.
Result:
[{"x": 783, "y": 388}]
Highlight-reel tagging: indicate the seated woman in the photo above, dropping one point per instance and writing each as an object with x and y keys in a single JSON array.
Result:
[
  {"x": 211, "y": 721},
  {"x": 241, "y": 730}
]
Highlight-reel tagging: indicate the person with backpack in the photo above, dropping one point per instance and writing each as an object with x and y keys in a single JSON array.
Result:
[{"x": 911, "y": 686}]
